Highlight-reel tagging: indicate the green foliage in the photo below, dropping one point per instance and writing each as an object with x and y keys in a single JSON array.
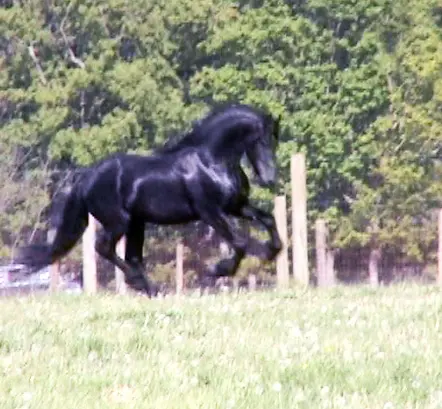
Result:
[
  {"x": 394, "y": 204},
  {"x": 22, "y": 197}
]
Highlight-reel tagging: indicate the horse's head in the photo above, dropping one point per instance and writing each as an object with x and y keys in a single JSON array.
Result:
[
  {"x": 261, "y": 150},
  {"x": 232, "y": 130}
]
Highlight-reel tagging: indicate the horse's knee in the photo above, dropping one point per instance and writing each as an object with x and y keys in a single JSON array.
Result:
[{"x": 103, "y": 245}]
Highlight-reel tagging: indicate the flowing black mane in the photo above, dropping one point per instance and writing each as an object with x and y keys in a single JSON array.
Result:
[
  {"x": 224, "y": 114},
  {"x": 176, "y": 143}
]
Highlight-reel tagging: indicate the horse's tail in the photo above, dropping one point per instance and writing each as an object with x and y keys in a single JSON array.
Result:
[{"x": 73, "y": 222}]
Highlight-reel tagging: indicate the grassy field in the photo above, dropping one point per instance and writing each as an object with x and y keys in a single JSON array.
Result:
[{"x": 346, "y": 348}]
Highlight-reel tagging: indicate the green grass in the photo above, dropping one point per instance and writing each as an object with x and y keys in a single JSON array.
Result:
[{"x": 345, "y": 348}]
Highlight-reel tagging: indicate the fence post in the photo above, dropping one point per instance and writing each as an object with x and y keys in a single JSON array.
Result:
[
  {"x": 235, "y": 285},
  {"x": 54, "y": 268},
  {"x": 439, "y": 253},
  {"x": 373, "y": 266},
  {"x": 54, "y": 274},
  {"x": 120, "y": 283},
  {"x": 282, "y": 260},
  {"x": 324, "y": 258},
  {"x": 299, "y": 218},
  {"x": 89, "y": 258},
  {"x": 252, "y": 282},
  {"x": 179, "y": 280}
]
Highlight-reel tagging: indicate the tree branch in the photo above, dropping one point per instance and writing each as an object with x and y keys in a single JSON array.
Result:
[
  {"x": 77, "y": 61},
  {"x": 34, "y": 58}
]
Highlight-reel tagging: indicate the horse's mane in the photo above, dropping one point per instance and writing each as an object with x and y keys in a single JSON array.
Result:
[
  {"x": 198, "y": 132},
  {"x": 187, "y": 140}
]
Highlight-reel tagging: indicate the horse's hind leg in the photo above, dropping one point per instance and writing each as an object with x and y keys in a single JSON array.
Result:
[
  {"x": 105, "y": 246},
  {"x": 134, "y": 243},
  {"x": 134, "y": 255},
  {"x": 223, "y": 226}
]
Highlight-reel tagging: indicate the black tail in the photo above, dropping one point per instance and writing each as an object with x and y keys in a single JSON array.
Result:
[{"x": 73, "y": 222}]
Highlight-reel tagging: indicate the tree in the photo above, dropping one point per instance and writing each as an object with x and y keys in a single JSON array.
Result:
[
  {"x": 23, "y": 198},
  {"x": 394, "y": 206}
]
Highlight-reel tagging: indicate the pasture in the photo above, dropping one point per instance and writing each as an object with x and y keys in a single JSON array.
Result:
[{"x": 348, "y": 348}]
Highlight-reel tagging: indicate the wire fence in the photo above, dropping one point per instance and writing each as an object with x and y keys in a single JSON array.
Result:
[{"x": 177, "y": 257}]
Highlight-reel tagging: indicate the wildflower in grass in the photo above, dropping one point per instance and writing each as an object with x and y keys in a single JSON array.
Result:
[
  {"x": 341, "y": 402},
  {"x": 416, "y": 384},
  {"x": 277, "y": 387},
  {"x": 259, "y": 390},
  {"x": 285, "y": 363},
  {"x": 299, "y": 396},
  {"x": 379, "y": 354},
  {"x": 122, "y": 394},
  {"x": 27, "y": 396},
  {"x": 325, "y": 390},
  {"x": 296, "y": 332},
  {"x": 230, "y": 404}
]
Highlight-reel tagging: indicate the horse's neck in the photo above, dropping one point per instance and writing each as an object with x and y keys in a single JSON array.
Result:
[{"x": 227, "y": 149}]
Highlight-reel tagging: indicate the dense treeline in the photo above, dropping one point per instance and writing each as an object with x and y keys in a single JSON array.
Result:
[{"x": 358, "y": 84}]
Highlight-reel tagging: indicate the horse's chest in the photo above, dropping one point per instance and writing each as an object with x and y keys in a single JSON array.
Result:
[{"x": 229, "y": 184}]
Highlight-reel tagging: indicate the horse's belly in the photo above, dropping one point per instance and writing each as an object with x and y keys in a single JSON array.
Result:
[{"x": 164, "y": 206}]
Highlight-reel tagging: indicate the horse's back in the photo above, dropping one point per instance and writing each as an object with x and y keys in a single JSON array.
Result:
[{"x": 153, "y": 188}]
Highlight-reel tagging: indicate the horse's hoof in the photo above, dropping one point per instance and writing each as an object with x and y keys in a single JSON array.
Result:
[
  {"x": 153, "y": 290},
  {"x": 143, "y": 287}
]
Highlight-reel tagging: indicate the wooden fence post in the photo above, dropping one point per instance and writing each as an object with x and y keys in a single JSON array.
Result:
[
  {"x": 373, "y": 266},
  {"x": 282, "y": 260},
  {"x": 299, "y": 218},
  {"x": 331, "y": 273},
  {"x": 54, "y": 269},
  {"x": 179, "y": 280},
  {"x": 89, "y": 258},
  {"x": 252, "y": 282},
  {"x": 54, "y": 276},
  {"x": 439, "y": 253},
  {"x": 235, "y": 285},
  {"x": 321, "y": 251},
  {"x": 324, "y": 257},
  {"x": 120, "y": 283}
]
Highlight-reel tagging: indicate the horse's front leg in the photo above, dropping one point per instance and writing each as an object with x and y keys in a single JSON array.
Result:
[
  {"x": 224, "y": 227},
  {"x": 270, "y": 249}
]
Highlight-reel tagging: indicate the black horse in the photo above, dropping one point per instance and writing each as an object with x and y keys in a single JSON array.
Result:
[{"x": 198, "y": 177}]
